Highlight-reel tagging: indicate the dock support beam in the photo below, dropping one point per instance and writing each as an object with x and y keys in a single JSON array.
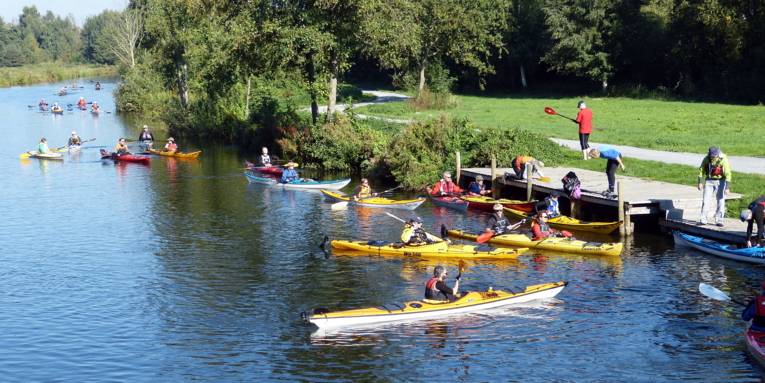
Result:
[
  {"x": 494, "y": 186},
  {"x": 529, "y": 182},
  {"x": 620, "y": 205},
  {"x": 459, "y": 167}
]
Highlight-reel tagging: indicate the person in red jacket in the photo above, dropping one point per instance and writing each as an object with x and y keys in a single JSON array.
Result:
[
  {"x": 584, "y": 119},
  {"x": 445, "y": 186},
  {"x": 540, "y": 229}
]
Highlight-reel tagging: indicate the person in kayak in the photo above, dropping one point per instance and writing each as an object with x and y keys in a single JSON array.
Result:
[
  {"x": 265, "y": 159},
  {"x": 755, "y": 213},
  {"x": 363, "y": 190},
  {"x": 540, "y": 229},
  {"x": 414, "y": 234},
  {"x": 146, "y": 138},
  {"x": 614, "y": 160},
  {"x": 42, "y": 147},
  {"x": 477, "y": 187},
  {"x": 289, "y": 174},
  {"x": 98, "y": 85},
  {"x": 551, "y": 205},
  {"x": 436, "y": 288},
  {"x": 755, "y": 311},
  {"x": 445, "y": 186},
  {"x": 95, "y": 107},
  {"x": 521, "y": 164},
  {"x": 81, "y": 103},
  {"x": 43, "y": 105},
  {"x": 74, "y": 140},
  {"x": 171, "y": 146},
  {"x": 121, "y": 147},
  {"x": 584, "y": 120},
  {"x": 56, "y": 108},
  {"x": 498, "y": 223},
  {"x": 714, "y": 179}
]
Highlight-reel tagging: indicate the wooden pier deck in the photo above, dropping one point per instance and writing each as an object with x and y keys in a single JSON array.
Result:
[{"x": 676, "y": 206}]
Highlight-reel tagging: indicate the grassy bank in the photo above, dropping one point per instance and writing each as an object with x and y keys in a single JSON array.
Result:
[
  {"x": 51, "y": 72},
  {"x": 655, "y": 124}
]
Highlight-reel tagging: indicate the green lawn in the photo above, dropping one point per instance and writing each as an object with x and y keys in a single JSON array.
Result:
[
  {"x": 655, "y": 124},
  {"x": 51, "y": 72}
]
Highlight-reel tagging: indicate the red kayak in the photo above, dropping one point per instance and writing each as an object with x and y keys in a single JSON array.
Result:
[
  {"x": 755, "y": 343},
  {"x": 272, "y": 170},
  {"x": 125, "y": 157},
  {"x": 487, "y": 203}
]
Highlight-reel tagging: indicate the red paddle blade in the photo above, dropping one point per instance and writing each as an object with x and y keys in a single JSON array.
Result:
[
  {"x": 550, "y": 111},
  {"x": 483, "y": 238}
]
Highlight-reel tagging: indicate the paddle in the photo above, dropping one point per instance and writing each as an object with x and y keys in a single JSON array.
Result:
[
  {"x": 344, "y": 204},
  {"x": 712, "y": 292},
  {"x": 552, "y": 112},
  {"x": 61, "y": 148},
  {"x": 487, "y": 235}
]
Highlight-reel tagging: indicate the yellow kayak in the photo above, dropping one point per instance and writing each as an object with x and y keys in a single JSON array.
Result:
[
  {"x": 427, "y": 309},
  {"x": 176, "y": 154},
  {"x": 433, "y": 250},
  {"x": 374, "y": 202},
  {"x": 564, "y": 245},
  {"x": 567, "y": 223}
]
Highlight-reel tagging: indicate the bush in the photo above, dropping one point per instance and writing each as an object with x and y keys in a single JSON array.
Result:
[{"x": 141, "y": 90}]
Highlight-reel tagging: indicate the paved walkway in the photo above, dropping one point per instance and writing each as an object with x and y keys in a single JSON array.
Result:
[{"x": 382, "y": 97}]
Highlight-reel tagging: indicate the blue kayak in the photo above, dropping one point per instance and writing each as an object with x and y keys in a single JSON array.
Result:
[
  {"x": 751, "y": 254},
  {"x": 299, "y": 184},
  {"x": 454, "y": 203}
]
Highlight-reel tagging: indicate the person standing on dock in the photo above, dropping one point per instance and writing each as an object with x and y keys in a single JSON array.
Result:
[
  {"x": 755, "y": 213},
  {"x": 714, "y": 179},
  {"x": 584, "y": 120},
  {"x": 614, "y": 158}
]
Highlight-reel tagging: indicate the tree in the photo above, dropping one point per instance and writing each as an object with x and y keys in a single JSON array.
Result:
[
  {"x": 527, "y": 36},
  {"x": 124, "y": 34},
  {"x": 96, "y": 39}
]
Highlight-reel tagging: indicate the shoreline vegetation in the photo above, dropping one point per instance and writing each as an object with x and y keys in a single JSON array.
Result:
[{"x": 52, "y": 72}]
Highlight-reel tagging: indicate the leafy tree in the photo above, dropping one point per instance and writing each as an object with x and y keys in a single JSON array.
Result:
[{"x": 96, "y": 41}]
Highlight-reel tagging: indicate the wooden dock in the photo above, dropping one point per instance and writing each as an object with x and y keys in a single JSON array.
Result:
[{"x": 673, "y": 206}]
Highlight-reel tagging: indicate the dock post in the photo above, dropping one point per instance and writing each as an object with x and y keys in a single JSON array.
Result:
[
  {"x": 623, "y": 226},
  {"x": 459, "y": 167},
  {"x": 627, "y": 220},
  {"x": 529, "y": 183},
  {"x": 494, "y": 188}
]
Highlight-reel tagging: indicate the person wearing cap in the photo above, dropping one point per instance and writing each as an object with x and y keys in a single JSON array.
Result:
[
  {"x": 74, "y": 140},
  {"x": 498, "y": 223},
  {"x": 289, "y": 174},
  {"x": 613, "y": 159},
  {"x": 436, "y": 288},
  {"x": 755, "y": 213},
  {"x": 171, "y": 146},
  {"x": 521, "y": 164},
  {"x": 714, "y": 179},
  {"x": 755, "y": 310},
  {"x": 363, "y": 190},
  {"x": 265, "y": 159},
  {"x": 477, "y": 187},
  {"x": 445, "y": 186},
  {"x": 414, "y": 234},
  {"x": 146, "y": 138},
  {"x": 584, "y": 120}
]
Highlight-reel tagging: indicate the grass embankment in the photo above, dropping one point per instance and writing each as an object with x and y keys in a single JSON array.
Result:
[
  {"x": 51, "y": 72},
  {"x": 655, "y": 124}
]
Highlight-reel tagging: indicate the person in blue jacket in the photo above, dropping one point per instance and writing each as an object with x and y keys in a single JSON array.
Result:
[
  {"x": 289, "y": 174},
  {"x": 755, "y": 311},
  {"x": 614, "y": 160}
]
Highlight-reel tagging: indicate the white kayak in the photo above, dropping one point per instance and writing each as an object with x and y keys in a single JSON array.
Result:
[
  {"x": 46, "y": 156},
  {"x": 299, "y": 184}
]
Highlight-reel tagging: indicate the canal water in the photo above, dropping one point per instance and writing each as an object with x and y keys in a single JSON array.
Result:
[{"x": 182, "y": 271}]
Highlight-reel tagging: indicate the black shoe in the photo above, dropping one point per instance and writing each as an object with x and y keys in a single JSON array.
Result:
[{"x": 720, "y": 224}]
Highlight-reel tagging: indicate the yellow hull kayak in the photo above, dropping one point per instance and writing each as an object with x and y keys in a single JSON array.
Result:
[
  {"x": 434, "y": 250},
  {"x": 567, "y": 223},
  {"x": 374, "y": 202},
  {"x": 176, "y": 154},
  {"x": 564, "y": 245},
  {"x": 428, "y": 309}
]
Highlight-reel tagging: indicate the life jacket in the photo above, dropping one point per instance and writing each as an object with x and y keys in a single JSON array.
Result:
[
  {"x": 431, "y": 292},
  {"x": 715, "y": 170},
  {"x": 171, "y": 147},
  {"x": 543, "y": 228},
  {"x": 364, "y": 191},
  {"x": 475, "y": 188},
  {"x": 121, "y": 149},
  {"x": 759, "y": 311},
  {"x": 500, "y": 224},
  {"x": 552, "y": 207},
  {"x": 520, "y": 161},
  {"x": 265, "y": 159},
  {"x": 145, "y": 136},
  {"x": 446, "y": 187}
]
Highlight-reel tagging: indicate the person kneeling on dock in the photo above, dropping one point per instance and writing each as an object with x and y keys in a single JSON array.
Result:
[
  {"x": 445, "y": 186},
  {"x": 755, "y": 213},
  {"x": 755, "y": 311},
  {"x": 414, "y": 234},
  {"x": 614, "y": 158},
  {"x": 521, "y": 164},
  {"x": 540, "y": 229},
  {"x": 436, "y": 288},
  {"x": 477, "y": 187}
]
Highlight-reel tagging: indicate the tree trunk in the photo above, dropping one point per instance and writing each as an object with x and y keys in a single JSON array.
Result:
[
  {"x": 247, "y": 99},
  {"x": 523, "y": 77},
  {"x": 333, "y": 69},
  {"x": 604, "y": 85},
  {"x": 422, "y": 80},
  {"x": 182, "y": 69},
  {"x": 311, "y": 68}
]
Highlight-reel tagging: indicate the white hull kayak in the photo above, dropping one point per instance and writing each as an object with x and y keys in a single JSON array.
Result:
[
  {"x": 417, "y": 310},
  {"x": 751, "y": 255},
  {"x": 47, "y": 156},
  {"x": 310, "y": 185}
]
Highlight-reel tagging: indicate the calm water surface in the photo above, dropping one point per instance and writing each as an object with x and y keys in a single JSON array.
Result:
[{"x": 181, "y": 271}]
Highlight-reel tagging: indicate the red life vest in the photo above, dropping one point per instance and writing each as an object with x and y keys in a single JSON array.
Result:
[
  {"x": 759, "y": 307},
  {"x": 715, "y": 170},
  {"x": 521, "y": 160},
  {"x": 447, "y": 187},
  {"x": 431, "y": 284}
]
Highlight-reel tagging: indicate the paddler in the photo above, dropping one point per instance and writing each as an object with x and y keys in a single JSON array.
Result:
[
  {"x": 414, "y": 234},
  {"x": 289, "y": 174},
  {"x": 81, "y": 103},
  {"x": 121, "y": 147},
  {"x": 551, "y": 204},
  {"x": 42, "y": 147},
  {"x": 445, "y": 186},
  {"x": 95, "y": 107},
  {"x": 521, "y": 164},
  {"x": 436, "y": 288},
  {"x": 43, "y": 104},
  {"x": 265, "y": 159},
  {"x": 74, "y": 140},
  {"x": 755, "y": 213},
  {"x": 755, "y": 311},
  {"x": 477, "y": 187},
  {"x": 498, "y": 223},
  {"x": 363, "y": 190},
  {"x": 171, "y": 146},
  {"x": 146, "y": 138},
  {"x": 540, "y": 229}
]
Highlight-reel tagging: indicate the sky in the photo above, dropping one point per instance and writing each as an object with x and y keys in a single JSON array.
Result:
[{"x": 80, "y": 9}]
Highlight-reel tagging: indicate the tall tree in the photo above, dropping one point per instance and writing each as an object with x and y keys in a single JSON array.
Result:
[
  {"x": 124, "y": 35},
  {"x": 527, "y": 36}
]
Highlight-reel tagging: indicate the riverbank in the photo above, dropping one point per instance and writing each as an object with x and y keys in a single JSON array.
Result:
[{"x": 52, "y": 72}]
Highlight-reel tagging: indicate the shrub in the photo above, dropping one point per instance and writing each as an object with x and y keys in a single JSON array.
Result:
[{"x": 141, "y": 90}]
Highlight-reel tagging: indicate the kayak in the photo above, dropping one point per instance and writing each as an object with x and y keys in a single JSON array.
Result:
[
  {"x": 125, "y": 157},
  {"x": 755, "y": 341},
  {"x": 454, "y": 203},
  {"x": 95, "y": 112},
  {"x": 426, "y": 309},
  {"x": 375, "y": 202},
  {"x": 300, "y": 184},
  {"x": 57, "y": 111},
  {"x": 564, "y": 245},
  {"x": 746, "y": 254},
  {"x": 271, "y": 170},
  {"x": 487, "y": 203},
  {"x": 567, "y": 223},
  {"x": 73, "y": 149},
  {"x": 176, "y": 154},
  {"x": 46, "y": 156},
  {"x": 433, "y": 250}
]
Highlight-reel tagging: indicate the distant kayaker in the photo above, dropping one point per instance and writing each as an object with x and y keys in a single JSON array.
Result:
[
  {"x": 540, "y": 229},
  {"x": 95, "y": 107},
  {"x": 436, "y": 288},
  {"x": 755, "y": 311},
  {"x": 289, "y": 174},
  {"x": 477, "y": 187},
  {"x": 56, "y": 108},
  {"x": 146, "y": 138},
  {"x": 521, "y": 164},
  {"x": 171, "y": 146},
  {"x": 81, "y": 103},
  {"x": 43, "y": 104},
  {"x": 414, "y": 234},
  {"x": 121, "y": 147},
  {"x": 755, "y": 213},
  {"x": 714, "y": 179},
  {"x": 445, "y": 186},
  {"x": 363, "y": 190},
  {"x": 42, "y": 147},
  {"x": 614, "y": 160},
  {"x": 74, "y": 140},
  {"x": 265, "y": 159},
  {"x": 98, "y": 85},
  {"x": 584, "y": 120}
]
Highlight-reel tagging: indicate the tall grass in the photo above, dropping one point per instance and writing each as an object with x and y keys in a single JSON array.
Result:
[{"x": 51, "y": 72}]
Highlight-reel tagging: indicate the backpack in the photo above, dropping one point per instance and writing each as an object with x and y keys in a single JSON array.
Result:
[{"x": 572, "y": 186}]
